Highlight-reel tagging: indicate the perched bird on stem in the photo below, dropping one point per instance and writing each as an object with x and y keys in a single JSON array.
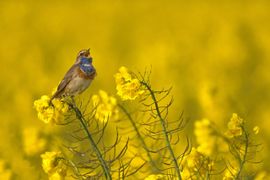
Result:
[{"x": 78, "y": 78}]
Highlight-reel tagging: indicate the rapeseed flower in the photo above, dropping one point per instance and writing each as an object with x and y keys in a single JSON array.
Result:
[
  {"x": 235, "y": 126},
  {"x": 56, "y": 176},
  {"x": 105, "y": 106},
  {"x": 50, "y": 112},
  {"x": 128, "y": 87},
  {"x": 53, "y": 165},
  {"x": 196, "y": 165},
  {"x": 207, "y": 139}
]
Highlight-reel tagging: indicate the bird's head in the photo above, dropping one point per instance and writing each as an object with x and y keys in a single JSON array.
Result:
[{"x": 83, "y": 54}]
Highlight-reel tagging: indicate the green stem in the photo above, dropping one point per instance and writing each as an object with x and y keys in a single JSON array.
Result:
[
  {"x": 92, "y": 142},
  {"x": 139, "y": 136},
  {"x": 162, "y": 122},
  {"x": 243, "y": 160}
]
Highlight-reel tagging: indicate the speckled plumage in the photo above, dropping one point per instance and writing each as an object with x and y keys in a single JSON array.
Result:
[{"x": 79, "y": 76}]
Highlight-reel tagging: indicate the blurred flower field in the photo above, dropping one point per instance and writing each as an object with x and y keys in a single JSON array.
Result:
[{"x": 214, "y": 55}]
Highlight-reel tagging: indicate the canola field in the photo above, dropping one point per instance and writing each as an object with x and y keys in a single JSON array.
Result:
[{"x": 181, "y": 92}]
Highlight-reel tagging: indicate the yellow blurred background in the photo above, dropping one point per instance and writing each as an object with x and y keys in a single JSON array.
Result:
[{"x": 215, "y": 54}]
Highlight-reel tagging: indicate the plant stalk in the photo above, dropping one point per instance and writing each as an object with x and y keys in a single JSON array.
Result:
[
  {"x": 103, "y": 163},
  {"x": 162, "y": 122}
]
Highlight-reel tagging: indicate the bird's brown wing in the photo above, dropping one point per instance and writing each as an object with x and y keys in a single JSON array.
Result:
[{"x": 67, "y": 78}]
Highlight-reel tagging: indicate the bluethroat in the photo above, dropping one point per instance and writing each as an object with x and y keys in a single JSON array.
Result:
[{"x": 79, "y": 76}]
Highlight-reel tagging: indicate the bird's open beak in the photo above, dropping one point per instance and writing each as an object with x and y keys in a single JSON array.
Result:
[{"x": 88, "y": 52}]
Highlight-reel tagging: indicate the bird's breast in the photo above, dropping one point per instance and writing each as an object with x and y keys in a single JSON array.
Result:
[
  {"x": 86, "y": 71},
  {"x": 78, "y": 85}
]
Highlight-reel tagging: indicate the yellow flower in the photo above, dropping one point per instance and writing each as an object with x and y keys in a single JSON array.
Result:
[
  {"x": 203, "y": 133},
  {"x": 105, "y": 106},
  {"x": 206, "y": 138},
  {"x": 128, "y": 87},
  {"x": 32, "y": 142},
  {"x": 50, "y": 161},
  {"x": 155, "y": 177},
  {"x": 4, "y": 172},
  {"x": 234, "y": 126},
  {"x": 56, "y": 176},
  {"x": 50, "y": 113},
  {"x": 53, "y": 165},
  {"x": 195, "y": 164},
  {"x": 256, "y": 130},
  {"x": 123, "y": 75}
]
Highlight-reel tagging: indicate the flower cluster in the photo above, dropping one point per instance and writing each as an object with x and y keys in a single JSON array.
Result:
[
  {"x": 53, "y": 165},
  {"x": 203, "y": 133},
  {"x": 128, "y": 87},
  {"x": 32, "y": 142},
  {"x": 105, "y": 106},
  {"x": 196, "y": 165},
  {"x": 208, "y": 141},
  {"x": 50, "y": 112},
  {"x": 235, "y": 126}
]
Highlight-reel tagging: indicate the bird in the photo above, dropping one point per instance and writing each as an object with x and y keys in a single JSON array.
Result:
[{"x": 78, "y": 78}]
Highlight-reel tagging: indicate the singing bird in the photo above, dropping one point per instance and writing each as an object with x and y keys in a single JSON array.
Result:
[{"x": 79, "y": 76}]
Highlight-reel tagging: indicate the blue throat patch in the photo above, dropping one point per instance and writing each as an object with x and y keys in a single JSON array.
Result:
[
  {"x": 86, "y": 66},
  {"x": 85, "y": 60}
]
